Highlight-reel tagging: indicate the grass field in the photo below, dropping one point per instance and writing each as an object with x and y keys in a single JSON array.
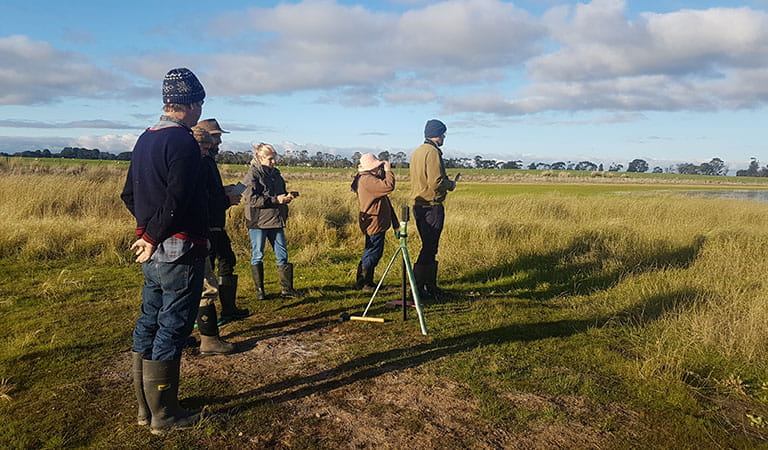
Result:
[{"x": 587, "y": 312}]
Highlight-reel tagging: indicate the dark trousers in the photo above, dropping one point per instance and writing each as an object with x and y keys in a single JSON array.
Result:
[
  {"x": 374, "y": 248},
  {"x": 221, "y": 251},
  {"x": 429, "y": 222},
  {"x": 169, "y": 302}
]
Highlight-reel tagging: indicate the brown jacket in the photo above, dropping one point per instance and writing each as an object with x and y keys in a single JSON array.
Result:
[
  {"x": 375, "y": 207},
  {"x": 429, "y": 183}
]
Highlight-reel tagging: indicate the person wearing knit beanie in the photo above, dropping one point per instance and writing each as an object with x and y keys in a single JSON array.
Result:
[
  {"x": 429, "y": 187},
  {"x": 164, "y": 192},
  {"x": 434, "y": 129},
  {"x": 181, "y": 86}
]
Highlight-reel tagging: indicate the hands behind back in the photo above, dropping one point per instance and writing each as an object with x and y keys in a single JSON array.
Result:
[{"x": 143, "y": 250}]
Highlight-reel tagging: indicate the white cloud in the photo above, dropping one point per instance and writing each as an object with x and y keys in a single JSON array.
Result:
[
  {"x": 598, "y": 41},
  {"x": 486, "y": 56},
  {"x": 36, "y": 72},
  {"x": 686, "y": 60},
  {"x": 111, "y": 143},
  {"x": 325, "y": 45}
]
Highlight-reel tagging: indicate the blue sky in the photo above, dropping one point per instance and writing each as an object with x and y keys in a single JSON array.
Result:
[{"x": 605, "y": 81}]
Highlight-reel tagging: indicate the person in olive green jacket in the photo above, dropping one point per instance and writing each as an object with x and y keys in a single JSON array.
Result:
[
  {"x": 429, "y": 187},
  {"x": 372, "y": 184}
]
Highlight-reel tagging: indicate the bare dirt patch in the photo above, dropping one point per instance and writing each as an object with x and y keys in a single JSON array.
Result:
[{"x": 368, "y": 405}]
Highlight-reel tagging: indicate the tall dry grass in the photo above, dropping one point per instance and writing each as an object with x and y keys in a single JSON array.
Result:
[{"x": 684, "y": 276}]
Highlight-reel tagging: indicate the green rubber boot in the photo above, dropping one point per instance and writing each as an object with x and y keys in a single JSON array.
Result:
[
  {"x": 144, "y": 415},
  {"x": 161, "y": 389}
]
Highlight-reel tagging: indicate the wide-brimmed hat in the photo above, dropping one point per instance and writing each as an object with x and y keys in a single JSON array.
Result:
[
  {"x": 203, "y": 137},
  {"x": 211, "y": 126},
  {"x": 368, "y": 161}
]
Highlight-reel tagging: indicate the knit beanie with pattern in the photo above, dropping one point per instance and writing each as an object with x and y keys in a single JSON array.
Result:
[{"x": 181, "y": 86}]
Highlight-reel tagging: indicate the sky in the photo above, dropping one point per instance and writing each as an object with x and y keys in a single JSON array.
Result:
[{"x": 533, "y": 80}]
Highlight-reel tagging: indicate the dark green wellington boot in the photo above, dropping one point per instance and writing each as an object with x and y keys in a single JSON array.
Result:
[
  {"x": 138, "y": 388},
  {"x": 257, "y": 271},
  {"x": 285, "y": 274},
  {"x": 228, "y": 297},
  {"x": 161, "y": 389},
  {"x": 210, "y": 342}
]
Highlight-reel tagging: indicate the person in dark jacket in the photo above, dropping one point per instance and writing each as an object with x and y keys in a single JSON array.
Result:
[
  {"x": 266, "y": 212},
  {"x": 165, "y": 191},
  {"x": 211, "y": 342},
  {"x": 372, "y": 184},
  {"x": 220, "y": 199}
]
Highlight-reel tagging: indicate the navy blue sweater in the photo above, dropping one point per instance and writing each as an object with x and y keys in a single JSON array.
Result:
[{"x": 165, "y": 188}]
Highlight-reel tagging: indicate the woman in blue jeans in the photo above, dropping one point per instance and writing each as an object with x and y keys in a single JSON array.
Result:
[{"x": 266, "y": 212}]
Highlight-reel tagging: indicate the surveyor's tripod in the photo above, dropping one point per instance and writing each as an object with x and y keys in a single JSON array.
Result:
[{"x": 402, "y": 234}]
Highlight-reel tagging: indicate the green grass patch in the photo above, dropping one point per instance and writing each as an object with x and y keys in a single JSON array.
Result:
[{"x": 607, "y": 314}]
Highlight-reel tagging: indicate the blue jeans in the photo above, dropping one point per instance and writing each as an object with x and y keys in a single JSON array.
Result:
[
  {"x": 276, "y": 238},
  {"x": 374, "y": 248},
  {"x": 169, "y": 302},
  {"x": 429, "y": 222}
]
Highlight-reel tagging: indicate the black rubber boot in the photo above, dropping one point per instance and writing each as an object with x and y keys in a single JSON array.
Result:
[
  {"x": 210, "y": 342},
  {"x": 161, "y": 389},
  {"x": 368, "y": 284},
  {"x": 144, "y": 415},
  {"x": 228, "y": 297},
  {"x": 421, "y": 272},
  {"x": 359, "y": 278},
  {"x": 285, "y": 274},
  {"x": 257, "y": 271},
  {"x": 431, "y": 284}
]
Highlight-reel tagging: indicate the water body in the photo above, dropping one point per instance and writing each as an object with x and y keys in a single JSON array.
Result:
[{"x": 758, "y": 195}]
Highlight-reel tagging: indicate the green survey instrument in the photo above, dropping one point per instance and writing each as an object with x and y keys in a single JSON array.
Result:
[{"x": 402, "y": 235}]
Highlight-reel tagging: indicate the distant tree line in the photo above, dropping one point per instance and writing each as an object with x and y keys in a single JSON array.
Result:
[
  {"x": 303, "y": 158},
  {"x": 73, "y": 153},
  {"x": 754, "y": 170}
]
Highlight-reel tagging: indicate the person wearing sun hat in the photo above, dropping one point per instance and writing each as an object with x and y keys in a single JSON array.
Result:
[
  {"x": 221, "y": 198},
  {"x": 165, "y": 191},
  {"x": 211, "y": 342},
  {"x": 373, "y": 184},
  {"x": 429, "y": 187}
]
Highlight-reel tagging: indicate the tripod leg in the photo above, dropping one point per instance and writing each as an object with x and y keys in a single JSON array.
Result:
[
  {"x": 384, "y": 275},
  {"x": 414, "y": 291}
]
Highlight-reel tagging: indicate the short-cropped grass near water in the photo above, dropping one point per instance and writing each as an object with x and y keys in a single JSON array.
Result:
[{"x": 597, "y": 311}]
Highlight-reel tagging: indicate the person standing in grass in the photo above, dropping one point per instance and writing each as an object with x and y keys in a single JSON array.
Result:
[
  {"x": 166, "y": 194},
  {"x": 220, "y": 199},
  {"x": 266, "y": 213},
  {"x": 210, "y": 341},
  {"x": 373, "y": 184},
  {"x": 429, "y": 187}
]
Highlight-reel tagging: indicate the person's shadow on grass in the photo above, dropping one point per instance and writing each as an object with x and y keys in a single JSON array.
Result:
[{"x": 588, "y": 264}]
